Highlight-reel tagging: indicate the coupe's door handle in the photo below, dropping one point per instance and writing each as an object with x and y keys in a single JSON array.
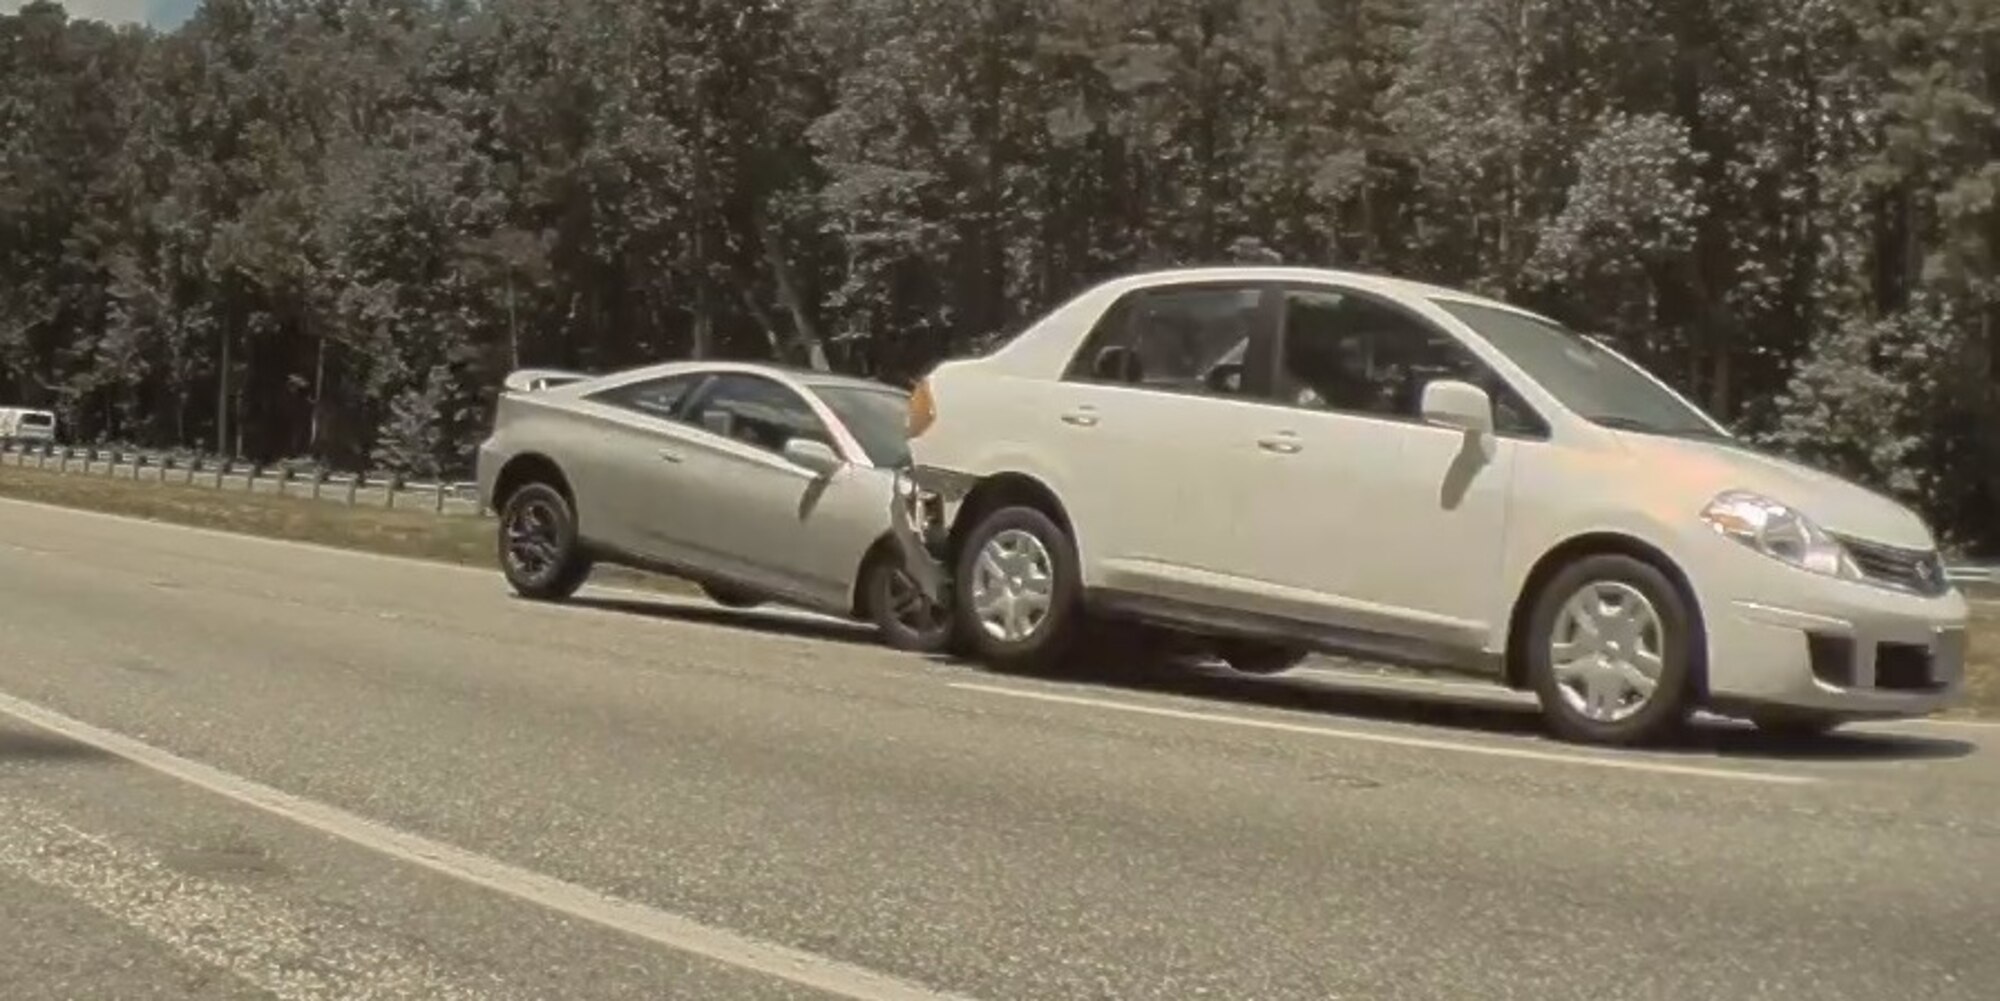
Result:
[
  {"x": 670, "y": 455},
  {"x": 1283, "y": 444},
  {"x": 1083, "y": 417}
]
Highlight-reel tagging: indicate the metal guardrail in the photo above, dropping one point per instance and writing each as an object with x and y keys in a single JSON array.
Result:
[{"x": 283, "y": 479}]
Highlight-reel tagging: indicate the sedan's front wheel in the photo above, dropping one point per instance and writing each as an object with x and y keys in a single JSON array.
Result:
[
  {"x": 538, "y": 546},
  {"x": 1611, "y": 650},
  {"x": 1017, "y": 591}
]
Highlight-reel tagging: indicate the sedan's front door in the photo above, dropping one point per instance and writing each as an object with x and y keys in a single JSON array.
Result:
[{"x": 1391, "y": 527}]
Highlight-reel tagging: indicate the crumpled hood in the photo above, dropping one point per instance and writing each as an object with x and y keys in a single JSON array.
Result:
[{"x": 1837, "y": 505}]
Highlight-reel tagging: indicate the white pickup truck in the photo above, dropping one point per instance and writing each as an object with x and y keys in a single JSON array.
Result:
[{"x": 21, "y": 424}]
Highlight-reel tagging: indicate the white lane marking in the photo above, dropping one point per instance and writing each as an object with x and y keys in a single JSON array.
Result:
[
  {"x": 673, "y": 931},
  {"x": 1497, "y": 696},
  {"x": 1520, "y": 753},
  {"x": 288, "y": 952}
]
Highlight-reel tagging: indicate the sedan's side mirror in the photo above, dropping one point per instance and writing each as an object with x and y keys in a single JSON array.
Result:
[
  {"x": 817, "y": 456},
  {"x": 1461, "y": 406}
]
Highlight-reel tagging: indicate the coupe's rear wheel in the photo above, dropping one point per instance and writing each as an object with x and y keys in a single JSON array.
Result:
[
  {"x": 538, "y": 546},
  {"x": 1018, "y": 590},
  {"x": 902, "y": 615},
  {"x": 1612, "y": 647}
]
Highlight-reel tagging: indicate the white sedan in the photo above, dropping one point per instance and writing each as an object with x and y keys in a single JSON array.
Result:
[
  {"x": 758, "y": 482},
  {"x": 1278, "y": 460}
]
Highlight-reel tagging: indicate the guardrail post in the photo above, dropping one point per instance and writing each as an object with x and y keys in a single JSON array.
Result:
[
  {"x": 440, "y": 497},
  {"x": 353, "y": 487},
  {"x": 250, "y": 481},
  {"x": 138, "y": 466},
  {"x": 222, "y": 470},
  {"x": 389, "y": 488},
  {"x": 194, "y": 466},
  {"x": 319, "y": 480}
]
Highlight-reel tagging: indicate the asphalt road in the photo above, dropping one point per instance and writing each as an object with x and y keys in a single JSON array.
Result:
[{"x": 232, "y": 768}]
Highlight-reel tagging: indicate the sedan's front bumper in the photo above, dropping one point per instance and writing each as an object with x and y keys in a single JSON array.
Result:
[
  {"x": 916, "y": 519},
  {"x": 1793, "y": 641}
]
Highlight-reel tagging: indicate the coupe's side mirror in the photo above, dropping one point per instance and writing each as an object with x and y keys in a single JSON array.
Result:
[
  {"x": 1461, "y": 406},
  {"x": 817, "y": 456}
]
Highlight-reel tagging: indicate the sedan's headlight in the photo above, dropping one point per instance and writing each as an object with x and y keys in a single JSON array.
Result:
[{"x": 1779, "y": 532}]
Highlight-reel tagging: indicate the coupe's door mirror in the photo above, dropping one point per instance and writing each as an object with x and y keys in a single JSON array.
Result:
[
  {"x": 817, "y": 456},
  {"x": 1458, "y": 405}
]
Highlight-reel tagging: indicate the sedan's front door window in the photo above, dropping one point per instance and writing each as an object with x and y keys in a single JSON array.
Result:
[
  {"x": 759, "y": 412},
  {"x": 1351, "y": 354}
]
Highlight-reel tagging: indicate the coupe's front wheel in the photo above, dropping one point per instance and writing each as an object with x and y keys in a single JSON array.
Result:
[
  {"x": 538, "y": 544},
  {"x": 1612, "y": 648},
  {"x": 1017, "y": 591},
  {"x": 903, "y": 616}
]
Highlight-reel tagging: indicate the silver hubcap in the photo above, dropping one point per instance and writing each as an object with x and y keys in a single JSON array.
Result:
[
  {"x": 1012, "y": 583},
  {"x": 1608, "y": 651}
]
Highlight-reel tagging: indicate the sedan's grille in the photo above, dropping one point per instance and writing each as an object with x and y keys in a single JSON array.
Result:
[{"x": 1914, "y": 570}]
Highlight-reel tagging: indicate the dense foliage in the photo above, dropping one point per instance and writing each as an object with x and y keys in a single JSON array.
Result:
[{"x": 327, "y": 227}]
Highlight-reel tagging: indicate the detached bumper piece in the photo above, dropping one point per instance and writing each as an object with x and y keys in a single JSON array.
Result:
[{"x": 916, "y": 519}]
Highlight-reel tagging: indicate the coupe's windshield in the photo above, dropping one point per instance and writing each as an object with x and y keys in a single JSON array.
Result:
[
  {"x": 1582, "y": 375},
  {"x": 876, "y": 418}
]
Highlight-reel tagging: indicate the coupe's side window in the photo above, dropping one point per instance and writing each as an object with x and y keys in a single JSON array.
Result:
[
  {"x": 1352, "y": 354},
  {"x": 659, "y": 398},
  {"x": 757, "y": 411},
  {"x": 1191, "y": 340}
]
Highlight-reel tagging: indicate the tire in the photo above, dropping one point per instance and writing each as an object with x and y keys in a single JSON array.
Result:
[
  {"x": 1050, "y": 638},
  {"x": 1660, "y": 642},
  {"x": 556, "y": 566},
  {"x": 1796, "y": 726},
  {"x": 1246, "y": 657},
  {"x": 887, "y": 594},
  {"x": 729, "y": 597}
]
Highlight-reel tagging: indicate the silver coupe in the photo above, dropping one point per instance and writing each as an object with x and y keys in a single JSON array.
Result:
[{"x": 757, "y": 482}]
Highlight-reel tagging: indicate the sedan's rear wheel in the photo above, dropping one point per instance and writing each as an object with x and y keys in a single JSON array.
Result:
[
  {"x": 1246, "y": 657},
  {"x": 1018, "y": 590},
  {"x": 1612, "y": 648},
  {"x": 538, "y": 545}
]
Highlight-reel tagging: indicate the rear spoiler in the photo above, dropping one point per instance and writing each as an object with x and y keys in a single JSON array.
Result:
[{"x": 533, "y": 380}]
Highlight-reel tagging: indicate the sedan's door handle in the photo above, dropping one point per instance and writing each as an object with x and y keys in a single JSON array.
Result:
[
  {"x": 1283, "y": 444},
  {"x": 670, "y": 455},
  {"x": 1083, "y": 417}
]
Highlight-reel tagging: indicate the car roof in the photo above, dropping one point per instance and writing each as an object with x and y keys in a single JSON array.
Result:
[
  {"x": 795, "y": 373},
  {"x": 1366, "y": 281}
]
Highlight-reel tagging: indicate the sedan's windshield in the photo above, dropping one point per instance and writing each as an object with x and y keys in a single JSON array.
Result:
[
  {"x": 1582, "y": 375},
  {"x": 876, "y": 418}
]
